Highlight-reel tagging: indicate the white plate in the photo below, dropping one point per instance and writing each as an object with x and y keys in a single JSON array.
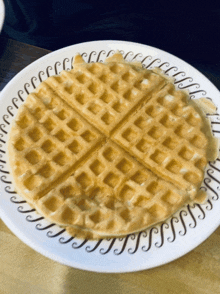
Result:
[
  {"x": 2, "y": 14},
  {"x": 158, "y": 245}
]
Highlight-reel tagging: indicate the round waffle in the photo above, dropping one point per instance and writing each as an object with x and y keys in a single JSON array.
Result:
[{"x": 107, "y": 149}]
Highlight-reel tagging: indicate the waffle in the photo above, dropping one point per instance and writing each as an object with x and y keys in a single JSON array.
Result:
[
  {"x": 111, "y": 193},
  {"x": 106, "y": 93},
  {"x": 165, "y": 136},
  {"x": 48, "y": 139},
  {"x": 109, "y": 149}
]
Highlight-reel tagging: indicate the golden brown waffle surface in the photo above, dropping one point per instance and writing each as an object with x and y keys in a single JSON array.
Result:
[{"x": 108, "y": 149}]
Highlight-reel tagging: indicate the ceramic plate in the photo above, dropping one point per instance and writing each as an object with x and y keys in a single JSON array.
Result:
[
  {"x": 2, "y": 14},
  {"x": 158, "y": 245}
]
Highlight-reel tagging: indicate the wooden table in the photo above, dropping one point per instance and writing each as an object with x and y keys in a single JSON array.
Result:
[
  {"x": 22, "y": 270},
  {"x": 14, "y": 56}
]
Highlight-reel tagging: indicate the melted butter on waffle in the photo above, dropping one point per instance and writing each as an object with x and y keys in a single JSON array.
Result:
[{"x": 108, "y": 149}]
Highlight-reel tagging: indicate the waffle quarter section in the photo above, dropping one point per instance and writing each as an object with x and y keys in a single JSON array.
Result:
[
  {"x": 47, "y": 140},
  {"x": 165, "y": 135},
  {"x": 106, "y": 93}
]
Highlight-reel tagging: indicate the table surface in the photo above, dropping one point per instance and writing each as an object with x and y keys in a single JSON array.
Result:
[{"x": 26, "y": 271}]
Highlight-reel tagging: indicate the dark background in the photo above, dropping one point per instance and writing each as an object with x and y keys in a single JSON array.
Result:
[{"x": 189, "y": 30}]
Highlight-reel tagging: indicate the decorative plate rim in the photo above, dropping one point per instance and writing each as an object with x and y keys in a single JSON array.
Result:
[{"x": 122, "y": 256}]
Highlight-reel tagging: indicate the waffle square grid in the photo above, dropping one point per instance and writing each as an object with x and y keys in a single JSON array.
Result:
[{"x": 75, "y": 140}]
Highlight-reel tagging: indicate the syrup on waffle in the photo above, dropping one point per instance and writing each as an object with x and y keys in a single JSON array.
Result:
[{"x": 109, "y": 149}]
